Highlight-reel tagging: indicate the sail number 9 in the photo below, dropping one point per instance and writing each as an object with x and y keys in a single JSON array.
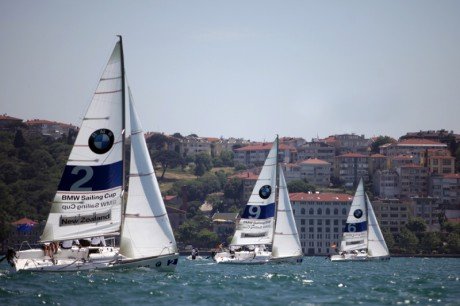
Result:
[{"x": 254, "y": 211}]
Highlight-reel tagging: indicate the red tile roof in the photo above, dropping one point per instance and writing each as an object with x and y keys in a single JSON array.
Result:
[
  {"x": 6, "y": 117},
  {"x": 323, "y": 197},
  {"x": 402, "y": 157},
  {"x": 315, "y": 161},
  {"x": 352, "y": 155},
  {"x": 169, "y": 197},
  {"x": 419, "y": 142},
  {"x": 24, "y": 221},
  {"x": 378, "y": 156}
]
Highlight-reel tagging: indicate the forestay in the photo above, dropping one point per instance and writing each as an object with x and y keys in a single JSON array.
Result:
[
  {"x": 256, "y": 223},
  {"x": 355, "y": 231},
  {"x": 88, "y": 199},
  {"x": 146, "y": 229},
  {"x": 286, "y": 241}
]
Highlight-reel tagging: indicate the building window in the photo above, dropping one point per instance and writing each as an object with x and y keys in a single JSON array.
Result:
[
  {"x": 319, "y": 229},
  {"x": 302, "y": 229},
  {"x": 310, "y": 211},
  {"x": 319, "y": 211},
  {"x": 319, "y": 222},
  {"x": 336, "y": 211},
  {"x": 328, "y": 211},
  {"x": 328, "y": 222},
  {"x": 336, "y": 222},
  {"x": 302, "y": 211},
  {"x": 344, "y": 211},
  {"x": 302, "y": 222},
  {"x": 310, "y": 222}
]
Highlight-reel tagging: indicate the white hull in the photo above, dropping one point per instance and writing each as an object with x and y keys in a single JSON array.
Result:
[
  {"x": 84, "y": 259},
  {"x": 243, "y": 257},
  {"x": 162, "y": 263},
  {"x": 354, "y": 257},
  {"x": 290, "y": 259}
]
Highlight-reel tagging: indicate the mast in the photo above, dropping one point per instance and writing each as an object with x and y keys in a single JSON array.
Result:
[
  {"x": 123, "y": 130},
  {"x": 367, "y": 216},
  {"x": 277, "y": 179}
]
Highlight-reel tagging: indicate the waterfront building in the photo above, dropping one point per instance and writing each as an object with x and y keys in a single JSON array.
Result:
[
  {"x": 412, "y": 147},
  {"x": 400, "y": 160},
  {"x": 428, "y": 209},
  {"x": 291, "y": 172},
  {"x": 393, "y": 214},
  {"x": 320, "y": 219}
]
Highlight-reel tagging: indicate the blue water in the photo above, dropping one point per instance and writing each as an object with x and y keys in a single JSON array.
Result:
[{"x": 400, "y": 281}]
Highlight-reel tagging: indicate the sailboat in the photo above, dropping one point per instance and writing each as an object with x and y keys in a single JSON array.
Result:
[
  {"x": 90, "y": 200},
  {"x": 362, "y": 238},
  {"x": 266, "y": 231}
]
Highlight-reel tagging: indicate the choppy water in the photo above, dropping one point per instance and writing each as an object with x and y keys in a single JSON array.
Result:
[{"x": 400, "y": 281}]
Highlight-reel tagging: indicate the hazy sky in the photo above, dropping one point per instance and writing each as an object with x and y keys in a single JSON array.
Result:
[{"x": 247, "y": 68}]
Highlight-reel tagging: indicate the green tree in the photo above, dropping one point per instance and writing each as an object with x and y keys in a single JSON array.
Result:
[
  {"x": 381, "y": 140},
  {"x": 19, "y": 140},
  {"x": 300, "y": 186},
  {"x": 453, "y": 243},
  {"x": 407, "y": 241},
  {"x": 203, "y": 163},
  {"x": 227, "y": 158},
  {"x": 206, "y": 238},
  {"x": 389, "y": 238},
  {"x": 233, "y": 189},
  {"x": 416, "y": 225},
  {"x": 167, "y": 159},
  {"x": 431, "y": 242}
]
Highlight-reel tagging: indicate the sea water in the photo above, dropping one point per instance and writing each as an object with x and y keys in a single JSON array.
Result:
[{"x": 317, "y": 281}]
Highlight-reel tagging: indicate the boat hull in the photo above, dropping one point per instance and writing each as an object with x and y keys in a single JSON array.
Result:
[
  {"x": 290, "y": 259},
  {"x": 162, "y": 263},
  {"x": 243, "y": 257},
  {"x": 358, "y": 258},
  {"x": 82, "y": 259}
]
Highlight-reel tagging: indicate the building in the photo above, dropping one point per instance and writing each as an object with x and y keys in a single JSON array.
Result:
[
  {"x": 249, "y": 179},
  {"x": 291, "y": 172},
  {"x": 446, "y": 188},
  {"x": 413, "y": 147},
  {"x": 224, "y": 224},
  {"x": 377, "y": 162},
  {"x": 349, "y": 143},
  {"x": 320, "y": 219},
  {"x": 400, "y": 160},
  {"x": 427, "y": 208},
  {"x": 316, "y": 149},
  {"x": 385, "y": 184},
  {"x": 255, "y": 155},
  {"x": 413, "y": 181},
  {"x": 8, "y": 122},
  {"x": 176, "y": 216},
  {"x": 439, "y": 161},
  {"x": 316, "y": 172},
  {"x": 50, "y": 128},
  {"x": 349, "y": 168},
  {"x": 393, "y": 214}
]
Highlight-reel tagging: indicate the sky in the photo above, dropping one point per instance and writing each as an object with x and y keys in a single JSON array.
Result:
[{"x": 249, "y": 68}]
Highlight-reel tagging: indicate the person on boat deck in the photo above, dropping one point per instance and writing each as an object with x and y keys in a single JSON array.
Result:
[
  {"x": 98, "y": 241},
  {"x": 67, "y": 244}
]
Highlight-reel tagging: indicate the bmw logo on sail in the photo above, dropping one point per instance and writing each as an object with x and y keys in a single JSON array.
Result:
[{"x": 101, "y": 141}]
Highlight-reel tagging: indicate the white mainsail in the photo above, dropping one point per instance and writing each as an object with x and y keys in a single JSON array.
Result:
[
  {"x": 286, "y": 241},
  {"x": 376, "y": 243},
  {"x": 88, "y": 200},
  {"x": 146, "y": 229},
  {"x": 355, "y": 232},
  {"x": 256, "y": 223}
]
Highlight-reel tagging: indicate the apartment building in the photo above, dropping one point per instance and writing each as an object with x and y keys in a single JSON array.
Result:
[
  {"x": 351, "y": 167},
  {"x": 316, "y": 149},
  {"x": 255, "y": 155},
  {"x": 413, "y": 181},
  {"x": 439, "y": 161},
  {"x": 428, "y": 209},
  {"x": 413, "y": 147},
  {"x": 316, "y": 172},
  {"x": 393, "y": 214},
  {"x": 8, "y": 122},
  {"x": 50, "y": 128},
  {"x": 349, "y": 143},
  {"x": 249, "y": 179},
  {"x": 446, "y": 188},
  {"x": 385, "y": 184},
  {"x": 320, "y": 219}
]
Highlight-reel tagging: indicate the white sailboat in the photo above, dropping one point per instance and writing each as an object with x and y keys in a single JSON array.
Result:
[
  {"x": 89, "y": 201},
  {"x": 362, "y": 238},
  {"x": 257, "y": 239}
]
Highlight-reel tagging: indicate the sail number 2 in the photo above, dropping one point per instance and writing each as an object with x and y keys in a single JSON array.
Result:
[{"x": 88, "y": 175}]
